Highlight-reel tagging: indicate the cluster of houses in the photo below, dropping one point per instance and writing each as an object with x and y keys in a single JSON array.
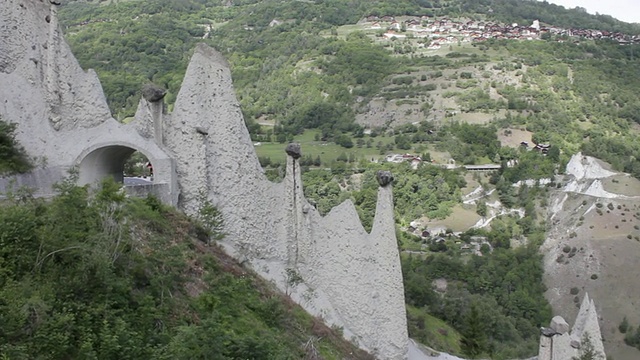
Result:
[
  {"x": 443, "y": 31},
  {"x": 438, "y": 237},
  {"x": 542, "y": 148},
  {"x": 415, "y": 160}
]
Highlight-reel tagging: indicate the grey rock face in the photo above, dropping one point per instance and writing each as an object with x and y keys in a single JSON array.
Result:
[
  {"x": 559, "y": 324},
  {"x": 60, "y": 110},
  {"x": 351, "y": 278},
  {"x": 153, "y": 93},
  {"x": 557, "y": 342},
  {"x": 342, "y": 266},
  {"x": 293, "y": 150},
  {"x": 384, "y": 177}
]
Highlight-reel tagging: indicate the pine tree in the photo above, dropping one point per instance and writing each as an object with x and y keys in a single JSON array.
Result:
[
  {"x": 474, "y": 339},
  {"x": 587, "y": 351}
]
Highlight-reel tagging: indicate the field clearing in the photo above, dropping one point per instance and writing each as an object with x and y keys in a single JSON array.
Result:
[
  {"x": 476, "y": 118},
  {"x": 461, "y": 219},
  {"x": 327, "y": 151},
  {"x": 622, "y": 184},
  {"x": 472, "y": 181},
  {"x": 439, "y": 157},
  {"x": 517, "y": 136}
]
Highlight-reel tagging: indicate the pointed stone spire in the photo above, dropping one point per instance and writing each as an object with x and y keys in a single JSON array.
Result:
[{"x": 581, "y": 318}]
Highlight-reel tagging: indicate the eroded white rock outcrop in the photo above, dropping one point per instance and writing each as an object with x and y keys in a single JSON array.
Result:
[
  {"x": 61, "y": 113},
  {"x": 557, "y": 342},
  {"x": 330, "y": 265}
]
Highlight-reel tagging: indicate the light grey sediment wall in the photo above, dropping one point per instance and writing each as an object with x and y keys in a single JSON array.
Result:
[
  {"x": 60, "y": 110},
  {"x": 560, "y": 343},
  {"x": 330, "y": 265}
]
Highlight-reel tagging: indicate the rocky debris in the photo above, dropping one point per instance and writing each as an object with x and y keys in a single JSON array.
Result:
[
  {"x": 559, "y": 325},
  {"x": 153, "y": 93},
  {"x": 576, "y": 343},
  {"x": 293, "y": 150},
  {"x": 384, "y": 177}
]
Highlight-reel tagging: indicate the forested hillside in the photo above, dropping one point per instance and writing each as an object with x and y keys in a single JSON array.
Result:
[{"x": 295, "y": 67}]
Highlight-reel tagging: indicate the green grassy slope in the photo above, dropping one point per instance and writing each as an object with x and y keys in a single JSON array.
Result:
[{"x": 100, "y": 276}]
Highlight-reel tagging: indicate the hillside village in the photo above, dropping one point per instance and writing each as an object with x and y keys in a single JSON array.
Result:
[{"x": 443, "y": 31}]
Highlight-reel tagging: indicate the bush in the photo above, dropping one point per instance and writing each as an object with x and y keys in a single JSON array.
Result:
[
  {"x": 594, "y": 276},
  {"x": 344, "y": 141},
  {"x": 574, "y": 291},
  {"x": 13, "y": 158},
  {"x": 624, "y": 325}
]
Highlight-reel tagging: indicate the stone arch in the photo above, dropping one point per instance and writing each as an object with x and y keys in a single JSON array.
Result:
[{"x": 107, "y": 159}]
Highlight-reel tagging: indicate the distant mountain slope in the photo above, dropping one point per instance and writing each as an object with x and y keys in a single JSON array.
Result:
[{"x": 296, "y": 66}]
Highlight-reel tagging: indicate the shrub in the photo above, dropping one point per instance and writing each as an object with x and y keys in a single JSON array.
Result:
[
  {"x": 344, "y": 141},
  {"x": 566, "y": 249},
  {"x": 594, "y": 276},
  {"x": 624, "y": 325},
  {"x": 13, "y": 157},
  {"x": 574, "y": 291}
]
